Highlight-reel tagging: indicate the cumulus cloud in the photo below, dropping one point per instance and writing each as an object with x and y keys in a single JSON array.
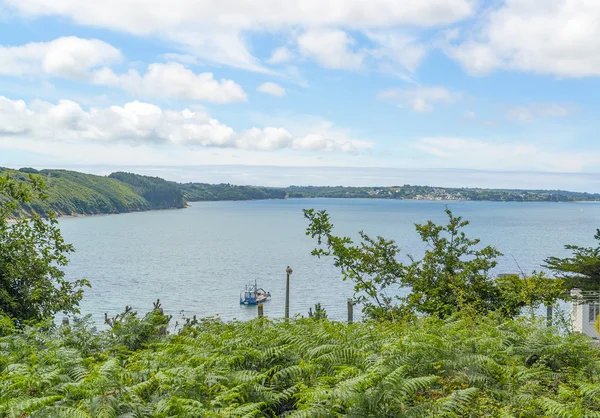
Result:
[
  {"x": 560, "y": 37},
  {"x": 70, "y": 57},
  {"x": 501, "y": 155},
  {"x": 331, "y": 48},
  {"x": 143, "y": 123},
  {"x": 153, "y": 16},
  {"x": 135, "y": 121},
  {"x": 419, "y": 99},
  {"x": 317, "y": 134},
  {"x": 212, "y": 30},
  {"x": 271, "y": 88},
  {"x": 533, "y": 111},
  {"x": 173, "y": 80},
  {"x": 267, "y": 139}
]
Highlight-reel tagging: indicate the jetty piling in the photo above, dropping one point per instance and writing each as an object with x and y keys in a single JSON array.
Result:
[
  {"x": 288, "y": 271},
  {"x": 350, "y": 310}
]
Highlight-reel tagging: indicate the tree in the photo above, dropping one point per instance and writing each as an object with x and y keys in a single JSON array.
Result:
[
  {"x": 372, "y": 265},
  {"x": 582, "y": 269},
  {"x": 32, "y": 253},
  {"x": 453, "y": 275}
]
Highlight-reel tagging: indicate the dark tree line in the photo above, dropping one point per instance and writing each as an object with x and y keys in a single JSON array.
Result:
[
  {"x": 197, "y": 192},
  {"x": 161, "y": 194}
]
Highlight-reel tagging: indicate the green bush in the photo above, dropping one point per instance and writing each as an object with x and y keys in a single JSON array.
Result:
[{"x": 457, "y": 367}]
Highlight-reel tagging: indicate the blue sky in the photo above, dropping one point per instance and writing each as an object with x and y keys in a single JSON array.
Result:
[{"x": 502, "y": 86}]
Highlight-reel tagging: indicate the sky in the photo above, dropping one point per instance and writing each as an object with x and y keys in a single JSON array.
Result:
[{"x": 458, "y": 92}]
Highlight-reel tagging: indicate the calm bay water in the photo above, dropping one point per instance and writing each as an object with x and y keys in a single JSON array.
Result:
[{"x": 197, "y": 260}]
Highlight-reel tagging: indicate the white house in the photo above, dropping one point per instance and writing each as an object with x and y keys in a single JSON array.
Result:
[{"x": 585, "y": 308}]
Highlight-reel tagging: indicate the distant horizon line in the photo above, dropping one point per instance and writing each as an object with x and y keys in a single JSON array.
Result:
[
  {"x": 426, "y": 169},
  {"x": 317, "y": 186}
]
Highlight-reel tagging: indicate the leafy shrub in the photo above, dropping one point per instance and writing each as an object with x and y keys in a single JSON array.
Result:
[{"x": 457, "y": 367}]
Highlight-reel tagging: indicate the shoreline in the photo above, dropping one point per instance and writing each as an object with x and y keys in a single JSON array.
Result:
[
  {"x": 187, "y": 205},
  {"x": 414, "y": 200},
  {"x": 89, "y": 215}
]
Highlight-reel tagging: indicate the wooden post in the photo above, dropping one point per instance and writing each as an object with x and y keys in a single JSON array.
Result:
[
  {"x": 288, "y": 271},
  {"x": 350, "y": 310},
  {"x": 260, "y": 310}
]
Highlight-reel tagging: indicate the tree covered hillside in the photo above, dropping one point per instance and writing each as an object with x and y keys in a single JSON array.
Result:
[
  {"x": 161, "y": 194},
  {"x": 197, "y": 192},
  {"x": 74, "y": 193},
  {"x": 408, "y": 191}
]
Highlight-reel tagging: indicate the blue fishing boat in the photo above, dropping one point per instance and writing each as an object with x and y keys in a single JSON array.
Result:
[{"x": 254, "y": 295}]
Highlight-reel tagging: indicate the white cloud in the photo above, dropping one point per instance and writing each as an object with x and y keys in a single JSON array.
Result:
[
  {"x": 144, "y": 123},
  {"x": 153, "y": 16},
  {"x": 213, "y": 30},
  {"x": 271, "y": 88},
  {"x": 530, "y": 112},
  {"x": 281, "y": 55},
  {"x": 399, "y": 48},
  {"x": 268, "y": 139},
  {"x": 476, "y": 58},
  {"x": 502, "y": 155},
  {"x": 316, "y": 133},
  {"x": 70, "y": 57},
  {"x": 173, "y": 80},
  {"x": 224, "y": 46},
  {"x": 182, "y": 58},
  {"x": 320, "y": 142},
  {"x": 420, "y": 99},
  {"x": 331, "y": 48},
  {"x": 133, "y": 122},
  {"x": 560, "y": 37}
]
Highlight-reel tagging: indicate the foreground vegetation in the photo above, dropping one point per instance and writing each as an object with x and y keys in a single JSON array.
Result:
[
  {"x": 460, "y": 344},
  {"x": 458, "y": 367}
]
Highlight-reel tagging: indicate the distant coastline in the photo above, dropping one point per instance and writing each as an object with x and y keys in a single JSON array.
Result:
[{"x": 75, "y": 194}]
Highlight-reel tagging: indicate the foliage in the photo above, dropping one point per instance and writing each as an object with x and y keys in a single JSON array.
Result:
[
  {"x": 196, "y": 192},
  {"x": 130, "y": 333},
  {"x": 73, "y": 193},
  {"x": 32, "y": 252},
  {"x": 453, "y": 275},
  {"x": 319, "y": 313},
  {"x": 582, "y": 269},
  {"x": 457, "y": 367},
  {"x": 528, "y": 292},
  {"x": 408, "y": 191},
  {"x": 161, "y": 194}
]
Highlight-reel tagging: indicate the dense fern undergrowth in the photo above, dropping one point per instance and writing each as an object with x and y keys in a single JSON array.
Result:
[{"x": 458, "y": 367}]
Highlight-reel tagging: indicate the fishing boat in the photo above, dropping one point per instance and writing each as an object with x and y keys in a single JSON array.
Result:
[{"x": 254, "y": 295}]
